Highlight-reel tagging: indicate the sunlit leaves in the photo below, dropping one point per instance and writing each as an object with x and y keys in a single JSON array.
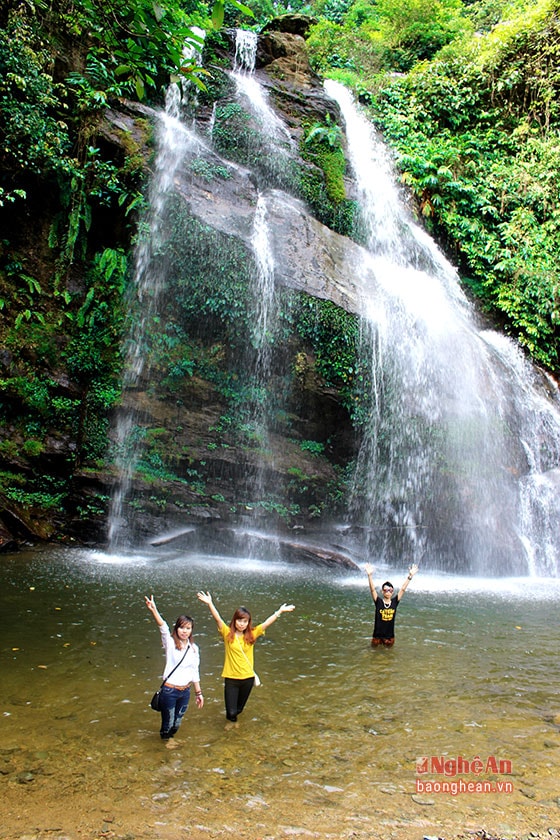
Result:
[{"x": 218, "y": 14}]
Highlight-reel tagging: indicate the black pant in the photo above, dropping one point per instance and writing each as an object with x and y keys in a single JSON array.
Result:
[{"x": 236, "y": 694}]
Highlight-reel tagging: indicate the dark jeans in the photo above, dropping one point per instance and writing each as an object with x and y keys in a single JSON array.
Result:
[
  {"x": 236, "y": 694},
  {"x": 174, "y": 704}
]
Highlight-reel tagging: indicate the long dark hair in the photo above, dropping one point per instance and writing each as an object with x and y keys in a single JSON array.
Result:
[
  {"x": 181, "y": 621},
  {"x": 242, "y": 612}
]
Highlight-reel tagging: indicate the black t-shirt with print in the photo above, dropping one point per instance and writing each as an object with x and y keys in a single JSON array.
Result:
[{"x": 384, "y": 627}]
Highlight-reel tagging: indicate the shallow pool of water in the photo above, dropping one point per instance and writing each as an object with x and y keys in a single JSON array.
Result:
[{"x": 328, "y": 746}]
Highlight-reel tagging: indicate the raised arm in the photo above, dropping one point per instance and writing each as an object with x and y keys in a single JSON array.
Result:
[
  {"x": 272, "y": 618},
  {"x": 369, "y": 572},
  {"x": 411, "y": 572},
  {"x": 151, "y": 604},
  {"x": 206, "y": 598}
]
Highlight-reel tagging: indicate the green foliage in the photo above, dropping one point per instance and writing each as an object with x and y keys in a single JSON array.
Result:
[
  {"x": 218, "y": 12},
  {"x": 33, "y": 138},
  {"x": 335, "y": 46},
  {"x": 136, "y": 48},
  {"x": 484, "y": 14},
  {"x": 281, "y": 509},
  {"x": 313, "y": 446},
  {"x": 34, "y": 496},
  {"x": 30, "y": 500},
  {"x": 413, "y": 30},
  {"x": 94, "y": 508},
  {"x": 30, "y": 391},
  {"x": 208, "y": 274},
  {"x": 44, "y": 138},
  {"x": 94, "y": 349},
  {"x": 242, "y": 137},
  {"x": 333, "y": 335},
  {"x": 139, "y": 45},
  {"x": 232, "y": 131},
  {"x": 477, "y": 132},
  {"x": 209, "y": 172},
  {"x": 10, "y": 197},
  {"x": 323, "y": 145},
  {"x": 36, "y": 401},
  {"x": 334, "y": 11},
  {"x": 322, "y": 185},
  {"x": 365, "y": 38},
  {"x": 329, "y": 134}
]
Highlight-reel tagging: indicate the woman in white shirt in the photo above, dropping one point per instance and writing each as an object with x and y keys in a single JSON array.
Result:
[{"x": 182, "y": 662}]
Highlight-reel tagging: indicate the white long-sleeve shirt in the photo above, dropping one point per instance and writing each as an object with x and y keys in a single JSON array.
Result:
[{"x": 188, "y": 671}]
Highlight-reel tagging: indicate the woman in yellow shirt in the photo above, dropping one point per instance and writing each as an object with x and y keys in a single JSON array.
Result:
[{"x": 239, "y": 639}]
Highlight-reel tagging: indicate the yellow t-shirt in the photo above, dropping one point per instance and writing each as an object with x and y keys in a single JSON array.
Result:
[{"x": 238, "y": 664}]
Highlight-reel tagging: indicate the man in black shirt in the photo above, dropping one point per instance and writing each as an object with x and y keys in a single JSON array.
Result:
[{"x": 386, "y": 606}]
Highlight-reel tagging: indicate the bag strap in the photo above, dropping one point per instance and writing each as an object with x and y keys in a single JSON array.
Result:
[{"x": 175, "y": 668}]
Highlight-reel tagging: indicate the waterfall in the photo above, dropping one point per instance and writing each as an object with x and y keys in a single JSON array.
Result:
[
  {"x": 263, "y": 318},
  {"x": 263, "y": 290},
  {"x": 245, "y": 51},
  {"x": 264, "y": 310},
  {"x": 460, "y": 461},
  {"x": 173, "y": 141},
  {"x": 270, "y": 151},
  {"x": 271, "y": 138}
]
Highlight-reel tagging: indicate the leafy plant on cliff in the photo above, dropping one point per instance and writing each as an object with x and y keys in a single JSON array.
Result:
[
  {"x": 322, "y": 185},
  {"x": 333, "y": 335},
  {"x": 93, "y": 353},
  {"x": 243, "y": 137},
  {"x": 323, "y": 145}
]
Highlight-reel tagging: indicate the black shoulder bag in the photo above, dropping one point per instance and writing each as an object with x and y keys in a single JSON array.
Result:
[{"x": 155, "y": 701}]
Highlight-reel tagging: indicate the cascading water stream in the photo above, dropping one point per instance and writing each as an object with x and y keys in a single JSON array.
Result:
[
  {"x": 174, "y": 140},
  {"x": 250, "y": 88},
  {"x": 264, "y": 312},
  {"x": 245, "y": 51},
  {"x": 263, "y": 318},
  {"x": 459, "y": 465},
  {"x": 263, "y": 291},
  {"x": 273, "y": 160},
  {"x": 277, "y": 140},
  {"x": 539, "y": 486}
]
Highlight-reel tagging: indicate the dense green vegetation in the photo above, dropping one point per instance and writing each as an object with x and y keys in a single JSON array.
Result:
[
  {"x": 62, "y": 289},
  {"x": 474, "y": 121},
  {"x": 466, "y": 93}
]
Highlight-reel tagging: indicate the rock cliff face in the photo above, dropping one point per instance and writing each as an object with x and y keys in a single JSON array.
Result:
[
  {"x": 226, "y": 438},
  {"x": 231, "y": 434},
  {"x": 242, "y": 441}
]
